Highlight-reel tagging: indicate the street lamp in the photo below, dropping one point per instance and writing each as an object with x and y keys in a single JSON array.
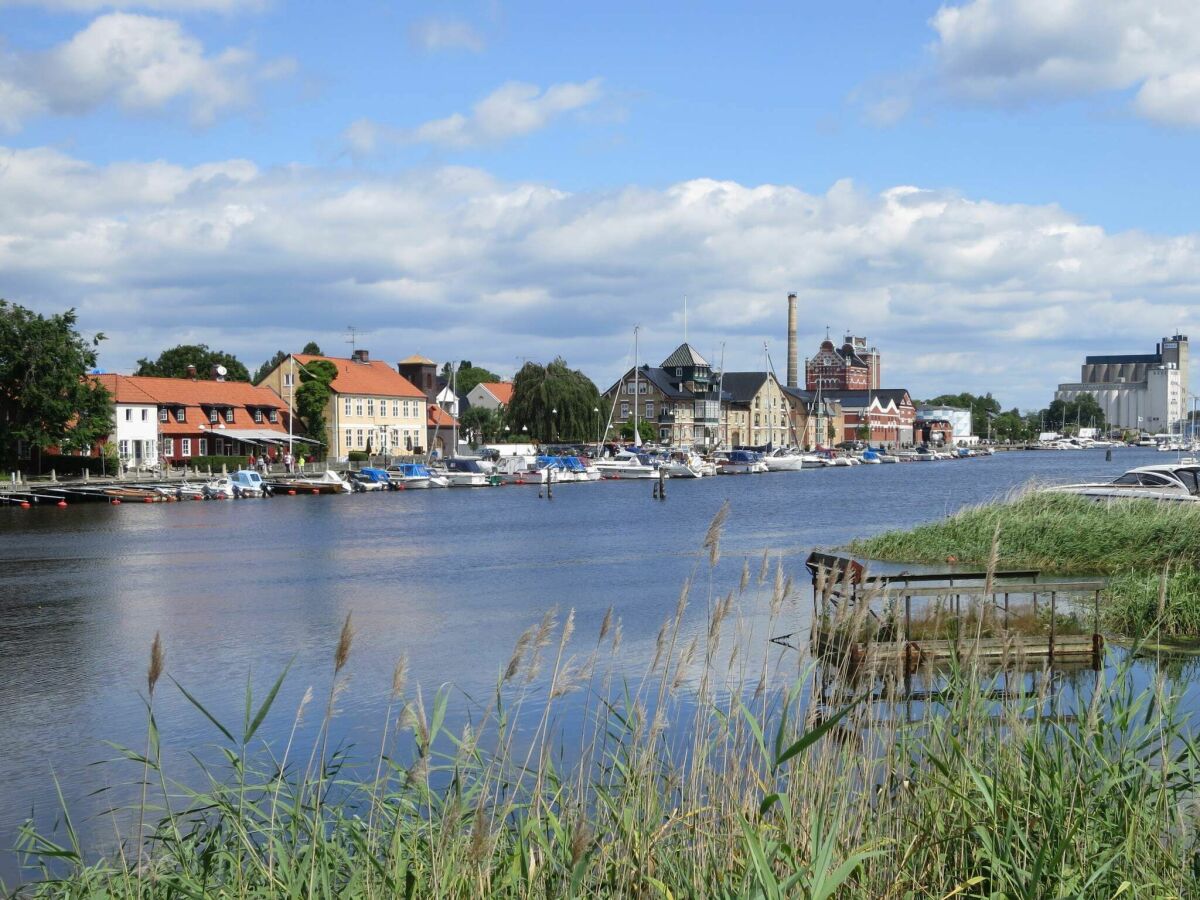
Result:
[
  {"x": 554, "y": 425},
  {"x": 596, "y": 410}
]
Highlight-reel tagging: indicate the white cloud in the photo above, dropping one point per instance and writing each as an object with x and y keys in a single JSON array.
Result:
[
  {"x": 445, "y": 34},
  {"x": 140, "y": 63},
  {"x": 458, "y": 264},
  {"x": 512, "y": 110},
  {"x": 1012, "y": 51}
]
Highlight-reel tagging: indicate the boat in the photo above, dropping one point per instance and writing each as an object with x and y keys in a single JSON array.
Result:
[
  {"x": 369, "y": 479},
  {"x": 328, "y": 482},
  {"x": 415, "y": 476},
  {"x": 570, "y": 468},
  {"x": 522, "y": 469},
  {"x": 1179, "y": 482},
  {"x": 740, "y": 462},
  {"x": 870, "y": 458},
  {"x": 467, "y": 472},
  {"x": 684, "y": 464},
  {"x": 784, "y": 460},
  {"x": 625, "y": 464}
]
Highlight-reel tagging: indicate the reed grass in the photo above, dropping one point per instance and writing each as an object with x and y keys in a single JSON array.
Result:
[
  {"x": 721, "y": 771},
  {"x": 1055, "y": 532}
]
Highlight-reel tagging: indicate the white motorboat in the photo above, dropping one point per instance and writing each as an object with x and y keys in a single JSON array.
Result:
[
  {"x": 522, "y": 469},
  {"x": 626, "y": 465},
  {"x": 1180, "y": 482},
  {"x": 683, "y": 464},
  {"x": 740, "y": 462},
  {"x": 467, "y": 472},
  {"x": 784, "y": 460},
  {"x": 328, "y": 482},
  {"x": 414, "y": 476}
]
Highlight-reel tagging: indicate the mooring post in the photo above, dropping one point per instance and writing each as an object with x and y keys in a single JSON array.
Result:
[
  {"x": 1006, "y": 610},
  {"x": 1053, "y": 623},
  {"x": 549, "y": 484},
  {"x": 662, "y": 484}
]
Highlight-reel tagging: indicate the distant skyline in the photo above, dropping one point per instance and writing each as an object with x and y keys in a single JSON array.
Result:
[{"x": 988, "y": 190}]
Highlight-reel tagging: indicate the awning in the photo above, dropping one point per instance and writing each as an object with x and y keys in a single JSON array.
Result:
[{"x": 258, "y": 436}]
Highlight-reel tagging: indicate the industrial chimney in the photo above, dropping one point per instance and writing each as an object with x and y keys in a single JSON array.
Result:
[{"x": 793, "y": 373}]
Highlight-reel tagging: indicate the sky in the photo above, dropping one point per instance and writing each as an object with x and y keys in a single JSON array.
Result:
[{"x": 987, "y": 190}]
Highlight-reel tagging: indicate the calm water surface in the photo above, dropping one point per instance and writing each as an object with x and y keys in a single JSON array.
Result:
[{"x": 451, "y": 578}]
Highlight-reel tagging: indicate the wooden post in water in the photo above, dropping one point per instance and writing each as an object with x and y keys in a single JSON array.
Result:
[
  {"x": 1053, "y": 623},
  {"x": 662, "y": 484}
]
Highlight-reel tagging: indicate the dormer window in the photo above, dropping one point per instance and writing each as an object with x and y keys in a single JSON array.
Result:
[
  {"x": 229, "y": 414},
  {"x": 180, "y": 414},
  {"x": 273, "y": 416},
  {"x": 164, "y": 415},
  {"x": 213, "y": 416},
  {"x": 258, "y": 416}
]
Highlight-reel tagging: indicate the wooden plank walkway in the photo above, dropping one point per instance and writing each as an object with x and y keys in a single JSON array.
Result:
[{"x": 1076, "y": 649}]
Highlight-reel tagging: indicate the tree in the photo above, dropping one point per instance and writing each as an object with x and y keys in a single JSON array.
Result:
[
  {"x": 467, "y": 376},
  {"x": 484, "y": 424},
  {"x": 1067, "y": 416},
  {"x": 46, "y": 398},
  {"x": 312, "y": 349},
  {"x": 312, "y": 397},
  {"x": 555, "y": 402},
  {"x": 269, "y": 366},
  {"x": 645, "y": 429},
  {"x": 174, "y": 361},
  {"x": 980, "y": 407}
]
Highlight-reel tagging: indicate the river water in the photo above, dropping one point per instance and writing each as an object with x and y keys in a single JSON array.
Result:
[{"x": 450, "y": 578}]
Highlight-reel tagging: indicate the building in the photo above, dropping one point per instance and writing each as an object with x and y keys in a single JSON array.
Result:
[
  {"x": 816, "y": 420},
  {"x": 680, "y": 398},
  {"x": 371, "y": 406},
  {"x": 884, "y": 417},
  {"x": 175, "y": 420},
  {"x": 441, "y": 406},
  {"x": 851, "y": 367},
  {"x": 757, "y": 410},
  {"x": 951, "y": 423},
  {"x": 491, "y": 394},
  {"x": 1142, "y": 392}
]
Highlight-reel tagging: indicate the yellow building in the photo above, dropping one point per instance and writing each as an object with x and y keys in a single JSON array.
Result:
[{"x": 371, "y": 405}]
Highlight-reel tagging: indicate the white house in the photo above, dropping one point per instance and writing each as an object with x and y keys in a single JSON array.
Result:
[
  {"x": 959, "y": 419},
  {"x": 135, "y": 423}
]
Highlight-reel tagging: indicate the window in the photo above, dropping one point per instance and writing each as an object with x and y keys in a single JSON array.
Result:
[
  {"x": 203, "y": 446},
  {"x": 649, "y": 409},
  {"x": 145, "y": 415},
  {"x": 358, "y": 437},
  {"x": 123, "y": 447},
  {"x": 371, "y": 407},
  {"x": 185, "y": 446},
  {"x": 168, "y": 447},
  {"x": 180, "y": 414},
  {"x": 229, "y": 414},
  {"x": 395, "y": 409},
  {"x": 128, "y": 415},
  {"x": 358, "y": 406},
  {"x": 642, "y": 387},
  {"x": 213, "y": 416},
  {"x": 273, "y": 416},
  {"x": 287, "y": 379},
  {"x": 349, "y": 438},
  {"x": 164, "y": 415},
  {"x": 624, "y": 410},
  {"x": 346, "y": 406},
  {"x": 631, "y": 388},
  {"x": 679, "y": 372},
  {"x": 258, "y": 417}
]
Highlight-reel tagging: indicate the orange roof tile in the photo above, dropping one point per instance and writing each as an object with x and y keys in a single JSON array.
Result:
[
  {"x": 375, "y": 377},
  {"x": 193, "y": 396},
  {"x": 436, "y": 417},
  {"x": 501, "y": 390}
]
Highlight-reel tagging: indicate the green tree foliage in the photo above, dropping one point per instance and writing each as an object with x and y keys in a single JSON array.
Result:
[
  {"x": 538, "y": 390},
  {"x": 467, "y": 376},
  {"x": 46, "y": 398},
  {"x": 173, "y": 363},
  {"x": 312, "y": 348},
  {"x": 1011, "y": 427},
  {"x": 645, "y": 429},
  {"x": 483, "y": 424},
  {"x": 313, "y": 396},
  {"x": 1067, "y": 417}
]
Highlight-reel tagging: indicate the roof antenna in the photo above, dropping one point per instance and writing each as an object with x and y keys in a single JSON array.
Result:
[
  {"x": 352, "y": 337},
  {"x": 685, "y": 318}
]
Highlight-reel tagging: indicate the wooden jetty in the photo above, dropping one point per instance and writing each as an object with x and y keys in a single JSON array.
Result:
[{"x": 848, "y": 624}]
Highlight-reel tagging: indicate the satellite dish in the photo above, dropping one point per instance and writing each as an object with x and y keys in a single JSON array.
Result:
[{"x": 221, "y": 370}]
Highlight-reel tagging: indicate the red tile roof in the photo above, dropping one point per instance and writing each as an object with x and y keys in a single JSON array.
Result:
[
  {"x": 501, "y": 390},
  {"x": 193, "y": 396},
  {"x": 370, "y": 378},
  {"x": 436, "y": 417}
]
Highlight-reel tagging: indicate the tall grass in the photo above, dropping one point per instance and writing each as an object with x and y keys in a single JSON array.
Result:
[
  {"x": 1056, "y": 532},
  {"x": 719, "y": 772}
]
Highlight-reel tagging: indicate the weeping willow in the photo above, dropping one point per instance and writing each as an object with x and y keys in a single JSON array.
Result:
[{"x": 556, "y": 403}]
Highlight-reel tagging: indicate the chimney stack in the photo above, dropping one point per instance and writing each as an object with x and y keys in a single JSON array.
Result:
[
  {"x": 361, "y": 356},
  {"x": 793, "y": 373},
  {"x": 191, "y": 370}
]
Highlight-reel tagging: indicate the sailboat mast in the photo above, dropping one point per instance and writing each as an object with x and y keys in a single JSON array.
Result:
[
  {"x": 723, "y": 439},
  {"x": 636, "y": 387}
]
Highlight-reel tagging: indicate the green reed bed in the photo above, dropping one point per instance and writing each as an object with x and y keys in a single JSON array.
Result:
[{"x": 712, "y": 774}]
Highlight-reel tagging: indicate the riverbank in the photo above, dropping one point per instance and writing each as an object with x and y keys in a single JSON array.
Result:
[
  {"x": 1151, "y": 550},
  {"x": 717, "y": 772}
]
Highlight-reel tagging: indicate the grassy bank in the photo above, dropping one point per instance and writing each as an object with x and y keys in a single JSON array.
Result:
[
  {"x": 712, "y": 774},
  {"x": 1136, "y": 542}
]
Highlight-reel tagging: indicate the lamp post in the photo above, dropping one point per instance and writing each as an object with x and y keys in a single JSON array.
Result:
[
  {"x": 596, "y": 410},
  {"x": 554, "y": 425}
]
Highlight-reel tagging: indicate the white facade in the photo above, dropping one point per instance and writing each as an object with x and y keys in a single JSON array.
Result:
[
  {"x": 1156, "y": 405},
  {"x": 448, "y": 400},
  {"x": 135, "y": 434},
  {"x": 959, "y": 419},
  {"x": 481, "y": 396}
]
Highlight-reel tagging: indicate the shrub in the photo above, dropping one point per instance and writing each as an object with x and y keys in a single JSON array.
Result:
[{"x": 232, "y": 463}]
